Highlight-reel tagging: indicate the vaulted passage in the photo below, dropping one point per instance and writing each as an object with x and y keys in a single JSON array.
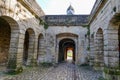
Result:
[
  {"x": 5, "y": 35},
  {"x": 65, "y": 46}
]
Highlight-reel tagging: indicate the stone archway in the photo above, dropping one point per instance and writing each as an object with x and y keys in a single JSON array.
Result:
[
  {"x": 99, "y": 51},
  {"x": 64, "y": 44},
  {"x": 9, "y": 36},
  {"x": 28, "y": 46},
  {"x": 112, "y": 47},
  {"x": 71, "y": 41}
]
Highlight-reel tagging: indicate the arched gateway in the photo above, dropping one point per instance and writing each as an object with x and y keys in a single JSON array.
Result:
[{"x": 66, "y": 45}]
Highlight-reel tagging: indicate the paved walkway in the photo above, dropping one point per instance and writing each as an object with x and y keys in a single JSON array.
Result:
[
  {"x": 64, "y": 71},
  {"x": 68, "y": 71}
]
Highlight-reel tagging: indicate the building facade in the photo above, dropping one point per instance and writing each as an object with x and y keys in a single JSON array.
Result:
[
  {"x": 28, "y": 36},
  {"x": 105, "y": 41}
]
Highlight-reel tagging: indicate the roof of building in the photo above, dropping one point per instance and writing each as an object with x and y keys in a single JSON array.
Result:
[{"x": 66, "y": 20}]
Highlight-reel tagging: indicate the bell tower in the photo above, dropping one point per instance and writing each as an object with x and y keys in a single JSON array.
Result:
[{"x": 70, "y": 10}]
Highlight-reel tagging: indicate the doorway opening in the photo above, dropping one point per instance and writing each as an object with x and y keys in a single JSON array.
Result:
[
  {"x": 28, "y": 46},
  {"x": 66, "y": 51},
  {"x": 69, "y": 54},
  {"x": 5, "y": 37}
]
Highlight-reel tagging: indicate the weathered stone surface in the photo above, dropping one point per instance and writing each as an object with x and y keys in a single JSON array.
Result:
[
  {"x": 23, "y": 38},
  {"x": 64, "y": 71},
  {"x": 66, "y": 20},
  {"x": 102, "y": 16}
]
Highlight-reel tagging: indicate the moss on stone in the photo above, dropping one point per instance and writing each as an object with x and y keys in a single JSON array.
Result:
[
  {"x": 12, "y": 64},
  {"x": 113, "y": 71},
  {"x": 97, "y": 64},
  {"x": 41, "y": 22},
  {"x": 15, "y": 71}
]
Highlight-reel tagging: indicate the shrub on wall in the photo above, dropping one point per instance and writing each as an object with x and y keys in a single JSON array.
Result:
[{"x": 41, "y": 22}]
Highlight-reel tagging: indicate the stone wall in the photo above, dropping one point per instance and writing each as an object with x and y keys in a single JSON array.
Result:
[
  {"x": 66, "y": 20},
  {"x": 41, "y": 49},
  {"x": 21, "y": 17},
  {"x": 53, "y": 41},
  {"x": 103, "y": 19}
]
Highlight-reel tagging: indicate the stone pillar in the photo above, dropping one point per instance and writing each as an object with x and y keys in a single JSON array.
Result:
[
  {"x": 41, "y": 49},
  {"x": 35, "y": 54},
  {"x": 91, "y": 63},
  {"x": 99, "y": 47},
  {"x": 20, "y": 50},
  {"x": 111, "y": 55},
  {"x": 13, "y": 51},
  {"x": 76, "y": 50},
  {"x": 57, "y": 50}
]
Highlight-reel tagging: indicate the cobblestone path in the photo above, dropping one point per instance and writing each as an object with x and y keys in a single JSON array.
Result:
[
  {"x": 68, "y": 71},
  {"x": 64, "y": 71}
]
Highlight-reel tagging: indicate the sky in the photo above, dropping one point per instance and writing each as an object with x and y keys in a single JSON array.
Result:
[{"x": 59, "y": 7}]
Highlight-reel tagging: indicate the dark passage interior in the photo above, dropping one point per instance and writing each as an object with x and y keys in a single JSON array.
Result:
[
  {"x": 64, "y": 46},
  {"x": 26, "y": 45},
  {"x": 5, "y": 36}
]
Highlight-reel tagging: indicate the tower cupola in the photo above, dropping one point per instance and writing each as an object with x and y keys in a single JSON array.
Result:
[{"x": 70, "y": 10}]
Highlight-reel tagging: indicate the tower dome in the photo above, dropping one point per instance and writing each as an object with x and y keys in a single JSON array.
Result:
[{"x": 70, "y": 10}]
